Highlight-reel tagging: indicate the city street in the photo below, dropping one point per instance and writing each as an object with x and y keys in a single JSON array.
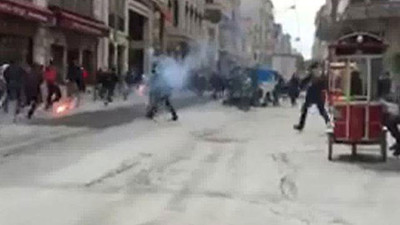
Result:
[{"x": 216, "y": 165}]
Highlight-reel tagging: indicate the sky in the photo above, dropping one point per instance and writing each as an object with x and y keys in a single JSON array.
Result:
[{"x": 298, "y": 23}]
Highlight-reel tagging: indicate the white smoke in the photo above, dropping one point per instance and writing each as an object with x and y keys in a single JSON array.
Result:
[{"x": 178, "y": 71}]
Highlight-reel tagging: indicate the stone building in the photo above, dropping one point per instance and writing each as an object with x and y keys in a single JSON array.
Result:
[
  {"x": 230, "y": 37},
  {"x": 186, "y": 25},
  {"x": 99, "y": 33},
  {"x": 379, "y": 17},
  {"x": 213, "y": 16},
  {"x": 266, "y": 37},
  {"x": 43, "y": 30},
  {"x": 261, "y": 32},
  {"x": 130, "y": 41}
]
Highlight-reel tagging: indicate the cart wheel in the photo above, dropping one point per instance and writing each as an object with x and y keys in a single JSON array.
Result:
[
  {"x": 353, "y": 151},
  {"x": 384, "y": 145},
  {"x": 330, "y": 146}
]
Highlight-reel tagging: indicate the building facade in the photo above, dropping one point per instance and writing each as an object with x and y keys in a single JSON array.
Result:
[
  {"x": 230, "y": 37},
  {"x": 265, "y": 36},
  {"x": 41, "y": 31},
  {"x": 340, "y": 17},
  {"x": 185, "y": 26},
  {"x": 130, "y": 41}
]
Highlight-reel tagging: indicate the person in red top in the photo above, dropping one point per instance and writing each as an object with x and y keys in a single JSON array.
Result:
[
  {"x": 53, "y": 90},
  {"x": 85, "y": 75}
]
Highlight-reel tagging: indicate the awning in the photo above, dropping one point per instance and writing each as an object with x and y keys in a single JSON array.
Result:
[
  {"x": 76, "y": 22},
  {"x": 26, "y": 10}
]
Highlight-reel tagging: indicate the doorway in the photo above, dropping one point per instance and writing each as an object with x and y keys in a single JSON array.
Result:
[
  {"x": 137, "y": 43},
  {"x": 73, "y": 54},
  {"x": 136, "y": 60},
  {"x": 57, "y": 53},
  {"x": 87, "y": 63},
  {"x": 120, "y": 59}
]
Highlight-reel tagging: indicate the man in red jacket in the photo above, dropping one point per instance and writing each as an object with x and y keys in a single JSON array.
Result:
[{"x": 50, "y": 77}]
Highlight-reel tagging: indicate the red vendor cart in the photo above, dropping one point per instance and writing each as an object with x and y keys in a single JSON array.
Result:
[{"x": 355, "y": 64}]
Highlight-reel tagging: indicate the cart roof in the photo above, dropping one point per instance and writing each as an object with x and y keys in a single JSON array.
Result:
[{"x": 359, "y": 43}]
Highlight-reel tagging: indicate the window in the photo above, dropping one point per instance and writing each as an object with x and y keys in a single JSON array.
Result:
[{"x": 116, "y": 18}]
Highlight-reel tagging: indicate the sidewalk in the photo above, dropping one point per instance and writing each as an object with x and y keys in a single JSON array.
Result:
[{"x": 88, "y": 117}]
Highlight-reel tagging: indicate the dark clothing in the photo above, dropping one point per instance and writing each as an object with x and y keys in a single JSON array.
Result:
[
  {"x": 384, "y": 86},
  {"x": 13, "y": 94},
  {"x": 392, "y": 122},
  {"x": 304, "y": 112},
  {"x": 153, "y": 108},
  {"x": 314, "y": 95},
  {"x": 356, "y": 86},
  {"x": 278, "y": 90},
  {"x": 315, "y": 87},
  {"x": 130, "y": 78},
  {"x": 391, "y": 117},
  {"x": 75, "y": 74},
  {"x": 294, "y": 89},
  {"x": 53, "y": 94},
  {"x": 108, "y": 81},
  {"x": 217, "y": 84},
  {"x": 160, "y": 92},
  {"x": 32, "y": 83},
  {"x": 14, "y": 76}
]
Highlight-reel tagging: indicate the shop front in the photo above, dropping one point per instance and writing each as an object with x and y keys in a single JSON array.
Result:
[
  {"x": 75, "y": 38},
  {"x": 19, "y": 24}
]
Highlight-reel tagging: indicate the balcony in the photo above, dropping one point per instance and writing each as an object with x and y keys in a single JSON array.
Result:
[
  {"x": 374, "y": 9},
  {"x": 213, "y": 11}
]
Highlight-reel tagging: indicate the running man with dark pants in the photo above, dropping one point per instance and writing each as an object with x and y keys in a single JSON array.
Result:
[
  {"x": 160, "y": 92},
  {"x": 313, "y": 97},
  {"x": 53, "y": 90}
]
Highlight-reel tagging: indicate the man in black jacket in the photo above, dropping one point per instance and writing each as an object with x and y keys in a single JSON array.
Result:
[
  {"x": 14, "y": 77},
  {"x": 391, "y": 119},
  {"x": 316, "y": 85},
  {"x": 75, "y": 75},
  {"x": 294, "y": 89}
]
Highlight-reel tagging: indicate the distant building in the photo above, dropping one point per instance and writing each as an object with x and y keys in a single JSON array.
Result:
[{"x": 263, "y": 34}]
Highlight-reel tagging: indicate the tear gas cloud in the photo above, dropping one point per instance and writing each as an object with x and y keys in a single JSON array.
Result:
[{"x": 178, "y": 71}]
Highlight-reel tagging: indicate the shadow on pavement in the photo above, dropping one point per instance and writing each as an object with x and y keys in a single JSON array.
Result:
[
  {"x": 110, "y": 118},
  {"x": 371, "y": 162}
]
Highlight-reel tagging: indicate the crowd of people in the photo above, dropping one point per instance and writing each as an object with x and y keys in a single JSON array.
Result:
[{"x": 29, "y": 85}]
